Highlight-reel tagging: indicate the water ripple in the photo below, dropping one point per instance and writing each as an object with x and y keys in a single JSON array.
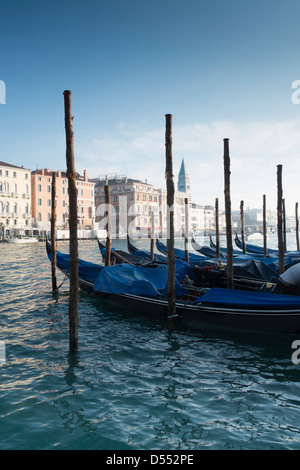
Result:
[{"x": 133, "y": 384}]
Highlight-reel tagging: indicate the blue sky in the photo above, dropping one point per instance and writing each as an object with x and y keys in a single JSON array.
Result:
[{"x": 222, "y": 69}]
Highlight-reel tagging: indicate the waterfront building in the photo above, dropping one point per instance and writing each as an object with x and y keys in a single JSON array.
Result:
[
  {"x": 15, "y": 201},
  {"x": 41, "y": 182},
  {"x": 133, "y": 202}
]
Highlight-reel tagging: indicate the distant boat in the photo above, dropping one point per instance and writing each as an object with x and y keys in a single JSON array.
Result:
[{"x": 22, "y": 240}]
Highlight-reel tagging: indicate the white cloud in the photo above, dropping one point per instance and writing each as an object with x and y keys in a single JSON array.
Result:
[{"x": 256, "y": 148}]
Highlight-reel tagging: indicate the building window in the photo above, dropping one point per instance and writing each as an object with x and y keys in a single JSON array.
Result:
[
  {"x": 39, "y": 178},
  {"x": 48, "y": 189},
  {"x": 39, "y": 187},
  {"x": 39, "y": 202},
  {"x": 14, "y": 174},
  {"x": 26, "y": 176},
  {"x": 39, "y": 217}
]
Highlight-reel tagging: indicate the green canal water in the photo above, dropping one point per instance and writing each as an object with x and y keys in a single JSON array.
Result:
[{"x": 133, "y": 385}]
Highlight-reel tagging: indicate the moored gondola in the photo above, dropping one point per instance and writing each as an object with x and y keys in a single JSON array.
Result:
[{"x": 144, "y": 290}]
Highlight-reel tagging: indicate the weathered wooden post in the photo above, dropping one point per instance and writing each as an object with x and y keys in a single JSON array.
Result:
[
  {"x": 228, "y": 215},
  {"x": 73, "y": 295},
  {"x": 170, "y": 219},
  {"x": 297, "y": 225},
  {"x": 108, "y": 226},
  {"x": 243, "y": 226},
  {"x": 186, "y": 231},
  {"x": 265, "y": 224},
  {"x": 284, "y": 224},
  {"x": 152, "y": 235},
  {"x": 279, "y": 220},
  {"x": 217, "y": 228},
  {"x": 53, "y": 229}
]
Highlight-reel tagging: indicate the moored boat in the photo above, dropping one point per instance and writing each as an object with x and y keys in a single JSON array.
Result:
[
  {"x": 19, "y": 240},
  {"x": 144, "y": 290}
]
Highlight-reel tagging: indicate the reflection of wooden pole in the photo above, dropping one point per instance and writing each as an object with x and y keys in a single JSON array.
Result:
[
  {"x": 53, "y": 224},
  {"x": 217, "y": 228},
  {"x": 243, "y": 226},
  {"x": 265, "y": 225},
  {"x": 108, "y": 238},
  {"x": 186, "y": 231},
  {"x": 279, "y": 220},
  {"x": 152, "y": 235},
  {"x": 297, "y": 225},
  {"x": 228, "y": 215},
  {"x": 73, "y": 300},
  {"x": 170, "y": 218}
]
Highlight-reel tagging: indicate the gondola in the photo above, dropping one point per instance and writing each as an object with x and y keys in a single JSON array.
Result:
[
  {"x": 290, "y": 257},
  {"x": 143, "y": 290},
  {"x": 209, "y": 274},
  {"x": 263, "y": 267},
  {"x": 120, "y": 256},
  {"x": 211, "y": 250},
  {"x": 253, "y": 249}
]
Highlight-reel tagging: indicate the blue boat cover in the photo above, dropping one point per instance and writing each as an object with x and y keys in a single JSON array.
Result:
[
  {"x": 137, "y": 280},
  {"x": 230, "y": 298},
  {"x": 86, "y": 270}
]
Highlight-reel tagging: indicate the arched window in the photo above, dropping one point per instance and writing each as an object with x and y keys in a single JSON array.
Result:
[
  {"x": 15, "y": 208},
  {"x": 39, "y": 217}
]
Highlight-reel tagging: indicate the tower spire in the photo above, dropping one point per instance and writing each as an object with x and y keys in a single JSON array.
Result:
[{"x": 183, "y": 184}]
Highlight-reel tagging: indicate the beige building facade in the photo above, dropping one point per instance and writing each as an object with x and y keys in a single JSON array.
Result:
[
  {"x": 41, "y": 183},
  {"x": 15, "y": 201}
]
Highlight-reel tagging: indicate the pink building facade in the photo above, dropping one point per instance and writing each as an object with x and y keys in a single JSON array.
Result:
[{"x": 41, "y": 182}]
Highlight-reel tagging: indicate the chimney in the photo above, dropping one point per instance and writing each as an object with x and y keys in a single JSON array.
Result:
[{"x": 85, "y": 175}]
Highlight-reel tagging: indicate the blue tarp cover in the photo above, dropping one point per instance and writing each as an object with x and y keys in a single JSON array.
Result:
[
  {"x": 86, "y": 270},
  {"x": 236, "y": 298},
  {"x": 128, "y": 279}
]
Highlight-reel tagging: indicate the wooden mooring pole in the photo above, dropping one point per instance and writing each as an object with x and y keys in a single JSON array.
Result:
[
  {"x": 284, "y": 224},
  {"x": 297, "y": 225},
  {"x": 73, "y": 299},
  {"x": 152, "y": 235},
  {"x": 265, "y": 224},
  {"x": 53, "y": 230},
  {"x": 243, "y": 226},
  {"x": 217, "y": 228},
  {"x": 279, "y": 220},
  {"x": 108, "y": 227},
  {"x": 228, "y": 215},
  {"x": 186, "y": 230},
  {"x": 170, "y": 219}
]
